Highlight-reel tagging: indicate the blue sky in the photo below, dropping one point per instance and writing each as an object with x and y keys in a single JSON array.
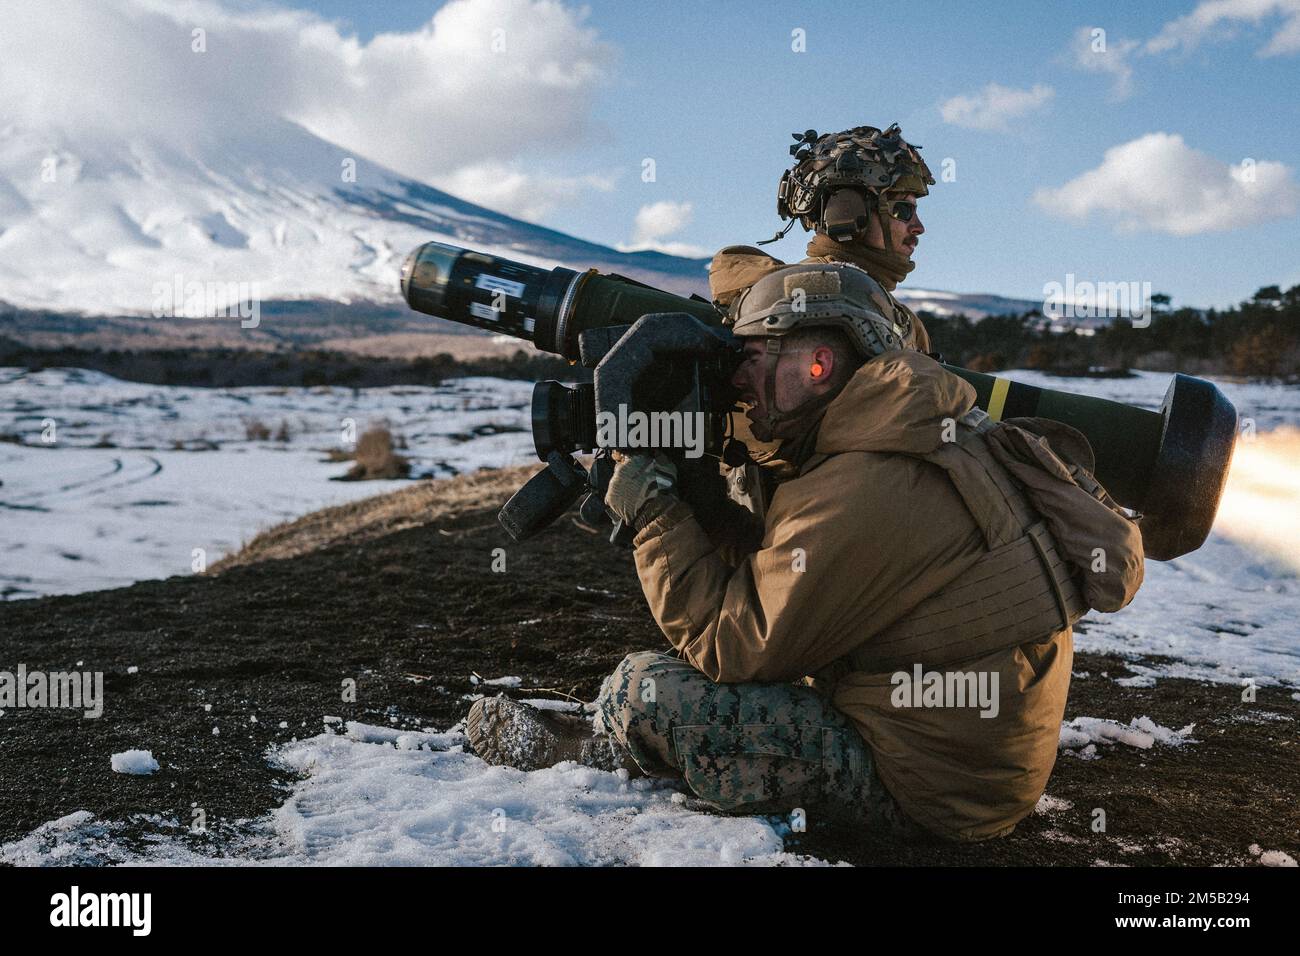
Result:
[{"x": 712, "y": 92}]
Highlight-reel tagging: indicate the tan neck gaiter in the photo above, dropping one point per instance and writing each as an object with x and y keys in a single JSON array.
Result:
[{"x": 887, "y": 268}]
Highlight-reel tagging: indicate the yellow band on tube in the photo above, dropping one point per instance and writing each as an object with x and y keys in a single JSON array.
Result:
[{"x": 998, "y": 398}]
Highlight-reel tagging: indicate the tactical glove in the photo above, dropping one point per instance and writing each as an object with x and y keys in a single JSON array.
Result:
[{"x": 636, "y": 480}]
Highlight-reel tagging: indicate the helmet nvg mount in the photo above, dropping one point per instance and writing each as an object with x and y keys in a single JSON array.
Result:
[{"x": 838, "y": 178}]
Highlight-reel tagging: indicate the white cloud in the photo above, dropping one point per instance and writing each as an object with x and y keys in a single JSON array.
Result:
[
  {"x": 1218, "y": 19},
  {"x": 1158, "y": 183},
  {"x": 660, "y": 219},
  {"x": 655, "y": 222},
  {"x": 992, "y": 107},
  {"x": 1098, "y": 53},
  {"x": 476, "y": 93},
  {"x": 527, "y": 196},
  {"x": 1209, "y": 20}
]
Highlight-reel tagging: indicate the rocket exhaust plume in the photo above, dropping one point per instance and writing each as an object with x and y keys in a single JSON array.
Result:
[{"x": 1261, "y": 504}]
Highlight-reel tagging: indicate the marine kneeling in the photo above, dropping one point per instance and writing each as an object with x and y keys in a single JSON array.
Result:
[{"x": 896, "y": 541}]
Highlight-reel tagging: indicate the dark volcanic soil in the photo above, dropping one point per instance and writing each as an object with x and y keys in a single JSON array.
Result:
[{"x": 278, "y": 638}]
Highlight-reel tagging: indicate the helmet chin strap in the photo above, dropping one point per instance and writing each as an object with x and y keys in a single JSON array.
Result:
[{"x": 766, "y": 428}]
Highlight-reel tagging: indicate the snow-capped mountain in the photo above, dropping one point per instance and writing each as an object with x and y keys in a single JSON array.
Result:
[
  {"x": 974, "y": 305},
  {"x": 93, "y": 224}
]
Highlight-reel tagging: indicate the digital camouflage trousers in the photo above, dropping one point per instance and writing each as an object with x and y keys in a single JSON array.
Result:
[{"x": 763, "y": 748}]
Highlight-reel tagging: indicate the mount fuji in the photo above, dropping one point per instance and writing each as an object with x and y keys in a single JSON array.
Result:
[{"x": 91, "y": 223}]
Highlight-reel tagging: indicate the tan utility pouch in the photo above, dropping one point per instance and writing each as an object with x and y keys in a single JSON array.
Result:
[
  {"x": 1091, "y": 531},
  {"x": 1028, "y": 585}
]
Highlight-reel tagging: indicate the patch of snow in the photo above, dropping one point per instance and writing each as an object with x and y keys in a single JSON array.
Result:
[
  {"x": 546, "y": 703},
  {"x": 1260, "y": 717},
  {"x": 72, "y": 840},
  {"x": 1141, "y": 680},
  {"x": 497, "y": 681},
  {"x": 1271, "y": 857},
  {"x": 404, "y": 739},
  {"x": 134, "y": 762},
  {"x": 1048, "y": 805},
  {"x": 1141, "y": 732}
]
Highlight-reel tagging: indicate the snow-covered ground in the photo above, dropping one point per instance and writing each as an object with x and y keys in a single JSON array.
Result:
[
  {"x": 80, "y": 518},
  {"x": 377, "y": 795}
]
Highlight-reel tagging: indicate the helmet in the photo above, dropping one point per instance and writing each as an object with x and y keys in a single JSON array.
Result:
[
  {"x": 869, "y": 162},
  {"x": 811, "y": 295}
]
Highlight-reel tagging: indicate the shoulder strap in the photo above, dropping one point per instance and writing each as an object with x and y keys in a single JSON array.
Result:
[
  {"x": 999, "y": 509},
  {"x": 1021, "y": 590}
]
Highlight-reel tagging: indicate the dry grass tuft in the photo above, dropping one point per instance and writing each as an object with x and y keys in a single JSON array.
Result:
[{"x": 375, "y": 458}]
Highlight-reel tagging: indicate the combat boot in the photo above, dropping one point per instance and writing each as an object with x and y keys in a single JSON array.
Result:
[{"x": 507, "y": 733}]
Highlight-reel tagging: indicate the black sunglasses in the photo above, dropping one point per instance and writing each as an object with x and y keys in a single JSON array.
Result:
[{"x": 903, "y": 210}]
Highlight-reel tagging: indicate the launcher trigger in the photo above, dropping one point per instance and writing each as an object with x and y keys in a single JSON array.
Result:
[
  {"x": 592, "y": 510},
  {"x": 602, "y": 470}
]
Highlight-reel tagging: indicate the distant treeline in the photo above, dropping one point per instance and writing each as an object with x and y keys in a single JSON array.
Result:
[
  {"x": 228, "y": 368},
  {"x": 1260, "y": 338}
]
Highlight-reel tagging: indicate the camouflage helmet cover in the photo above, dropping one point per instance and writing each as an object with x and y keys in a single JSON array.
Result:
[{"x": 864, "y": 157}]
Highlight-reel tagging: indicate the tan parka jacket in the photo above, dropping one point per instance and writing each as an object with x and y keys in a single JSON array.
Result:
[{"x": 851, "y": 544}]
